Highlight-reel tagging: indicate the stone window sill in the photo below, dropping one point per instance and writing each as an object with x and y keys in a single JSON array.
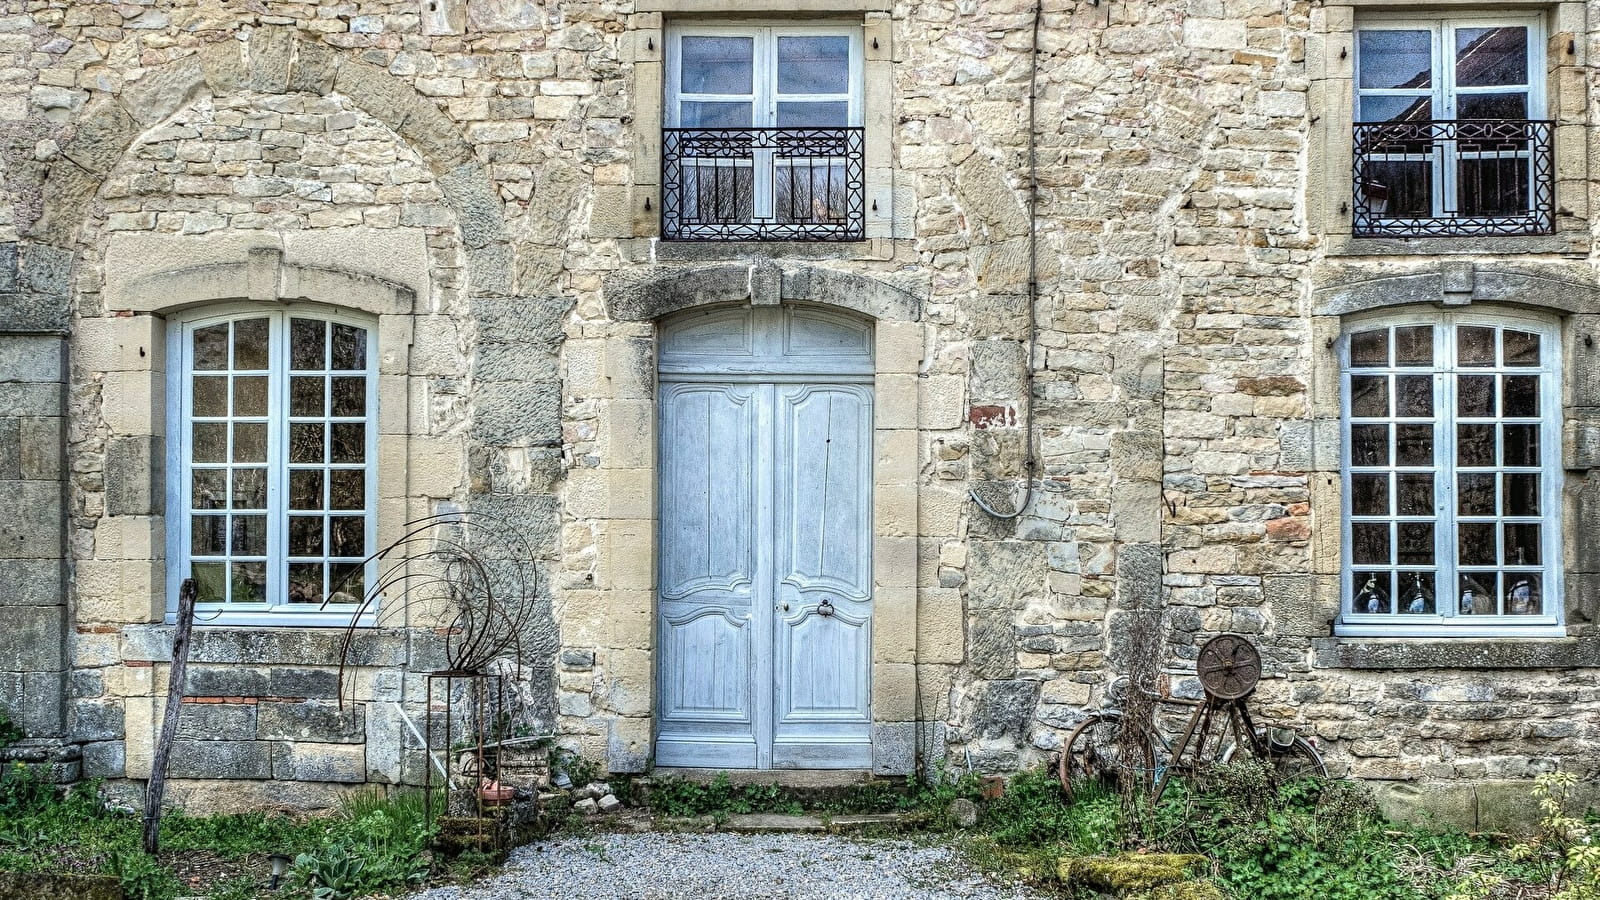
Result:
[
  {"x": 1457, "y": 653},
  {"x": 730, "y": 251},
  {"x": 1569, "y": 243}
]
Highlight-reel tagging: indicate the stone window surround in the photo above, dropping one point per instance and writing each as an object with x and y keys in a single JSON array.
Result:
[
  {"x": 888, "y": 201},
  {"x": 1308, "y": 605},
  {"x": 139, "y": 391},
  {"x": 620, "y": 494},
  {"x": 1330, "y": 61}
]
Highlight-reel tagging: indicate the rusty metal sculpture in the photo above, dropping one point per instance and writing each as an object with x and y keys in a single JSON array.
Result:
[{"x": 473, "y": 578}]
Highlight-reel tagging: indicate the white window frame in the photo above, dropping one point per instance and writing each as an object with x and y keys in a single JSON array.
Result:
[
  {"x": 1444, "y": 89},
  {"x": 179, "y": 481},
  {"x": 764, "y": 96},
  {"x": 1445, "y": 622}
]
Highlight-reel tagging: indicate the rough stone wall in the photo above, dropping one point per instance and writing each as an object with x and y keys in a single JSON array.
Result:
[{"x": 1172, "y": 376}]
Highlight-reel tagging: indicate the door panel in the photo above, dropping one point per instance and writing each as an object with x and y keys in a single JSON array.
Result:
[{"x": 708, "y": 570}]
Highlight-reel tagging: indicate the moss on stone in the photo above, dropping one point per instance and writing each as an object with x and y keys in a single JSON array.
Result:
[{"x": 1133, "y": 874}]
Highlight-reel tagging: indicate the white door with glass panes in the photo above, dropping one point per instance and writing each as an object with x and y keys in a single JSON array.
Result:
[
  {"x": 750, "y": 94},
  {"x": 1452, "y": 441},
  {"x": 765, "y": 581},
  {"x": 1456, "y": 94}
]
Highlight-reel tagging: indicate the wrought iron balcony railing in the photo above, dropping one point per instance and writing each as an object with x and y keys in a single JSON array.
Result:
[
  {"x": 1447, "y": 178},
  {"x": 763, "y": 184}
]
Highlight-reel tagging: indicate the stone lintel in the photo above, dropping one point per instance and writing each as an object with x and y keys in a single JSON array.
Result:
[{"x": 1457, "y": 653}]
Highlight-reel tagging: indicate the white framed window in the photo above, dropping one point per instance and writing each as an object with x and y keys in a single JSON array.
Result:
[
  {"x": 1451, "y": 475},
  {"x": 1449, "y": 137},
  {"x": 764, "y": 136},
  {"x": 271, "y": 479}
]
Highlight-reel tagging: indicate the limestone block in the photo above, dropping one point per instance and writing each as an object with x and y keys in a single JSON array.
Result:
[
  {"x": 134, "y": 403},
  {"x": 631, "y": 675},
  {"x": 313, "y": 762},
  {"x": 139, "y": 726},
  {"x": 313, "y": 69},
  {"x": 943, "y": 403},
  {"x": 436, "y": 467},
  {"x": 381, "y": 95},
  {"x": 33, "y": 527},
  {"x": 628, "y": 745},
  {"x": 997, "y": 370},
  {"x": 309, "y": 720},
  {"x": 478, "y": 209},
  {"x": 895, "y": 399},
  {"x": 627, "y": 434},
  {"x": 217, "y": 721},
  {"x": 894, "y": 746},
  {"x": 32, "y": 358},
  {"x": 629, "y": 556},
  {"x": 223, "y": 65},
  {"x": 104, "y": 131},
  {"x": 31, "y": 582},
  {"x": 270, "y": 50},
  {"x": 894, "y": 625},
  {"x": 120, "y": 344},
  {"x": 511, "y": 413},
  {"x": 894, "y": 509},
  {"x": 941, "y": 626},
  {"x": 939, "y": 510},
  {"x": 894, "y": 562},
  {"x": 632, "y": 619},
  {"x": 893, "y": 692},
  {"x": 134, "y": 475}
]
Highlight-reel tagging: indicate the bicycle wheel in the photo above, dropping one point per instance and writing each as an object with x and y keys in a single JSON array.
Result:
[
  {"x": 1091, "y": 755},
  {"x": 1297, "y": 760}
]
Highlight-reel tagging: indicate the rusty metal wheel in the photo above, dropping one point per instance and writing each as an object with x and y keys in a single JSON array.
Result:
[{"x": 1229, "y": 667}]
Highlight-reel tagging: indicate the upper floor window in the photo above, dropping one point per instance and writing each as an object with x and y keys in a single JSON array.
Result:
[
  {"x": 1452, "y": 440},
  {"x": 1450, "y": 137},
  {"x": 763, "y": 137},
  {"x": 272, "y": 486}
]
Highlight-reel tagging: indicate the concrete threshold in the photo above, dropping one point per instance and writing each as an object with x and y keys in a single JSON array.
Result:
[
  {"x": 777, "y": 823},
  {"x": 793, "y": 778}
]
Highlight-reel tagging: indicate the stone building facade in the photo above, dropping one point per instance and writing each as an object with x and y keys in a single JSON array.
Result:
[{"x": 1129, "y": 303}]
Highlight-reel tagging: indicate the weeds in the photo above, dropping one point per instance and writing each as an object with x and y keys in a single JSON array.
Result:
[{"x": 719, "y": 797}]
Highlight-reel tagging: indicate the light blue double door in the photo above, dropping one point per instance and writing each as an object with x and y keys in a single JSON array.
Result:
[{"x": 764, "y": 588}]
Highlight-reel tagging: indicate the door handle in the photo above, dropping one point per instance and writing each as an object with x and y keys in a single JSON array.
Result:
[{"x": 826, "y": 607}]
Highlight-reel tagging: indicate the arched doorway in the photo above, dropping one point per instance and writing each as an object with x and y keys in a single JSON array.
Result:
[{"x": 764, "y": 612}]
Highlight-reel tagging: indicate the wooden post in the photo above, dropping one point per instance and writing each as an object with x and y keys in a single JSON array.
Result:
[{"x": 169, "y": 718}]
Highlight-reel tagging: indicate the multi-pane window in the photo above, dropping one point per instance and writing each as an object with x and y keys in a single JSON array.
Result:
[
  {"x": 1448, "y": 135},
  {"x": 1452, "y": 438},
  {"x": 763, "y": 134},
  {"x": 273, "y": 447}
]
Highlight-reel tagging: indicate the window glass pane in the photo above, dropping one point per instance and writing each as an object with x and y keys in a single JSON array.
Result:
[
  {"x": 1398, "y": 189},
  {"x": 1521, "y": 494},
  {"x": 1492, "y": 187},
  {"x": 1369, "y": 445},
  {"x": 1475, "y": 445},
  {"x": 1475, "y": 494},
  {"x": 1413, "y": 395},
  {"x": 305, "y": 582},
  {"x": 1477, "y": 541},
  {"x": 813, "y": 115},
  {"x": 1369, "y": 395},
  {"x": 209, "y": 442},
  {"x": 814, "y": 65},
  {"x": 1370, "y": 348},
  {"x": 1474, "y": 346},
  {"x": 349, "y": 488},
  {"x": 1522, "y": 544},
  {"x": 249, "y": 536},
  {"x": 1489, "y": 56},
  {"x": 207, "y": 489},
  {"x": 1369, "y": 495},
  {"x": 250, "y": 344},
  {"x": 305, "y": 442},
  {"x": 1372, "y": 592},
  {"x": 346, "y": 583},
  {"x": 307, "y": 344},
  {"x": 810, "y": 193},
  {"x": 717, "y": 64},
  {"x": 1413, "y": 445},
  {"x": 1523, "y": 596},
  {"x": 1371, "y": 542},
  {"x": 1522, "y": 348},
  {"x": 1396, "y": 109},
  {"x": 1416, "y": 544},
  {"x": 305, "y": 395},
  {"x": 1416, "y": 593},
  {"x": 250, "y": 395},
  {"x": 349, "y": 347},
  {"x": 249, "y": 582},
  {"x": 1475, "y": 396},
  {"x": 211, "y": 347},
  {"x": 210, "y": 581},
  {"x": 1413, "y": 345},
  {"x": 1509, "y": 105},
  {"x": 350, "y": 396},
  {"x": 208, "y": 535},
  {"x": 1522, "y": 395},
  {"x": 210, "y": 396},
  {"x": 249, "y": 442},
  {"x": 305, "y": 536},
  {"x": 249, "y": 488},
  {"x": 1476, "y": 597},
  {"x": 707, "y": 114},
  {"x": 1395, "y": 59},
  {"x": 347, "y": 536},
  {"x": 349, "y": 442},
  {"x": 305, "y": 489},
  {"x": 1521, "y": 445},
  {"x": 1414, "y": 494}
]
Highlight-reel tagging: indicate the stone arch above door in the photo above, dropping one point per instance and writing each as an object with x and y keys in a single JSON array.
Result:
[{"x": 645, "y": 294}]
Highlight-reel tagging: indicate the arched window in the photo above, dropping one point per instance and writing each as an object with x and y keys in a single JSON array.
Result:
[
  {"x": 1451, "y": 468},
  {"x": 271, "y": 478}
]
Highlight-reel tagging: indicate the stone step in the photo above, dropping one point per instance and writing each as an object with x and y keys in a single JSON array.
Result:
[{"x": 777, "y": 823}]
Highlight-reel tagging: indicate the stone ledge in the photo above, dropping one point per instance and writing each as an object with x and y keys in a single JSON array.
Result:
[
  {"x": 1575, "y": 243},
  {"x": 1456, "y": 653}
]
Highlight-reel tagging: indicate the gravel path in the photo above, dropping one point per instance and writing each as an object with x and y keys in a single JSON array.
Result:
[{"x": 667, "y": 866}]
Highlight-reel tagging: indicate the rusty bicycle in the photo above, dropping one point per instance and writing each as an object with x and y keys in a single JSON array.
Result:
[{"x": 1220, "y": 729}]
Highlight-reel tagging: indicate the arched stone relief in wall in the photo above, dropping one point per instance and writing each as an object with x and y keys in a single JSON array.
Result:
[{"x": 647, "y": 293}]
